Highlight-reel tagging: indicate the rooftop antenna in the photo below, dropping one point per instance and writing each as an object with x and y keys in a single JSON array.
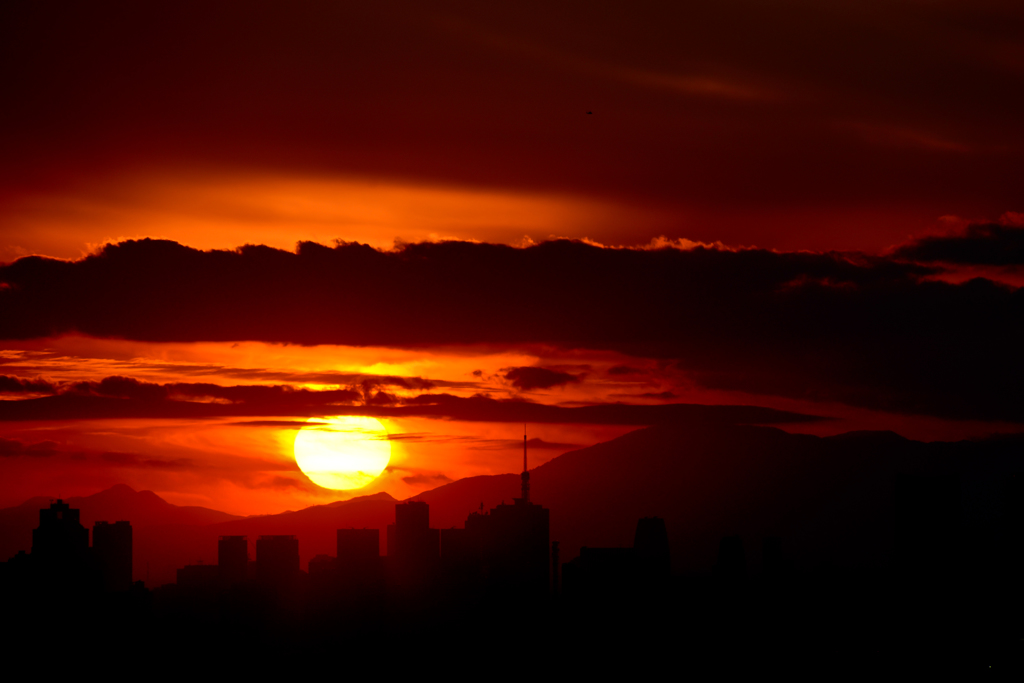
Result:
[{"x": 526, "y": 473}]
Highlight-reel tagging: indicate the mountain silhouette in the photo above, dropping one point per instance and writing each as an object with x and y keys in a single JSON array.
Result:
[
  {"x": 119, "y": 502},
  {"x": 830, "y": 500}
]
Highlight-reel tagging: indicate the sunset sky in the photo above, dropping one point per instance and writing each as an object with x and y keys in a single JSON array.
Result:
[{"x": 219, "y": 220}]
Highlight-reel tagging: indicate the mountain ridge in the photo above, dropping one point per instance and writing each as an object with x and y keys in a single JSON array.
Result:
[{"x": 830, "y": 499}]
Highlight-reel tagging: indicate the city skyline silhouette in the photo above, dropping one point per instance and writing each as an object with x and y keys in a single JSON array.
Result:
[{"x": 503, "y": 561}]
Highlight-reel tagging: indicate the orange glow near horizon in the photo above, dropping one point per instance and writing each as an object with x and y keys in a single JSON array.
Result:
[
  {"x": 246, "y": 465},
  {"x": 225, "y": 210},
  {"x": 228, "y": 208}
]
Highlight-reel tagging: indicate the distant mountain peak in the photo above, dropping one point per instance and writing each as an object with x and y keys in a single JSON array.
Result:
[
  {"x": 115, "y": 492},
  {"x": 382, "y": 495}
]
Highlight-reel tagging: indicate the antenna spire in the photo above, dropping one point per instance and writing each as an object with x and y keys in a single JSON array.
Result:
[
  {"x": 526, "y": 473},
  {"x": 524, "y": 449}
]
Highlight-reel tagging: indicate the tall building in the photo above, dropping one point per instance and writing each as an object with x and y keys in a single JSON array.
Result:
[
  {"x": 60, "y": 559},
  {"x": 413, "y": 547},
  {"x": 232, "y": 559},
  {"x": 410, "y": 539},
  {"x": 112, "y": 546},
  {"x": 60, "y": 562},
  {"x": 60, "y": 536},
  {"x": 277, "y": 561},
  {"x": 617, "y": 574},
  {"x": 514, "y": 542}
]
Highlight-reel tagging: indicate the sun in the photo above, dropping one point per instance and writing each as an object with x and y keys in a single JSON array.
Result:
[{"x": 346, "y": 452}]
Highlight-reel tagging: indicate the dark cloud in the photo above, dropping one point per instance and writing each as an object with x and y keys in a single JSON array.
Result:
[
  {"x": 625, "y": 370},
  {"x": 410, "y": 436},
  {"x": 120, "y": 387},
  {"x": 17, "y": 385},
  {"x": 281, "y": 395},
  {"x": 80, "y": 404},
  {"x": 527, "y": 378},
  {"x": 277, "y": 424},
  {"x": 483, "y": 409},
  {"x": 661, "y": 395},
  {"x": 131, "y": 398},
  {"x": 988, "y": 244},
  {"x": 338, "y": 378},
  {"x": 866, "y": 331},
  {"x": 10, "y": 448},
  {"x": 429, "y": 479},
  {"x": 382, "y": 398},
  {"x": 283, "y": 483}
]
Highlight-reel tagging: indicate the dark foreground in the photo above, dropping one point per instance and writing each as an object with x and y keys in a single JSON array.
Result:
[{"x": 822, "y": 624}]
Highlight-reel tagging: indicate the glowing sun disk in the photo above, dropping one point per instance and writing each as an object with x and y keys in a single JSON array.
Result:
[{"x": 342, "y": 453}]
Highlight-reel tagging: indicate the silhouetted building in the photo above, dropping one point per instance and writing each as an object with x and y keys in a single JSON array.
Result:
[
  {"x": 412, "y": 544},
  {"x": 112, "y": 546},
  {"x": 232, "y": 559},
  {"x": 277, "y": 560},
  {"x": 60, "y": 556},
  {"x": 60, "y": 536},
  {"x": 620, "y": 573},
  {"x": 513, "y": 542}
]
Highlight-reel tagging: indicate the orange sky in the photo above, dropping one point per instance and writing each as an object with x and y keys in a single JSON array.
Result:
[
  {"x": 225, "y": 208},
  {"x": 246, "y": 466}
]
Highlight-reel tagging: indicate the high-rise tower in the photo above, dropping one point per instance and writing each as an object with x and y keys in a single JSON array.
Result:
[
  {"x": 513, "y": 542},
  {"x": 525, "y": 475},
  {"x": 112, "y": 545}
]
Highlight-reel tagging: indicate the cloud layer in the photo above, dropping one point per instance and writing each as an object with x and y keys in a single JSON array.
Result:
[
  {"x": 124, "y": 397},
  {"x": 983, "y": 244},
  {"x": 868, "y": 331}
]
